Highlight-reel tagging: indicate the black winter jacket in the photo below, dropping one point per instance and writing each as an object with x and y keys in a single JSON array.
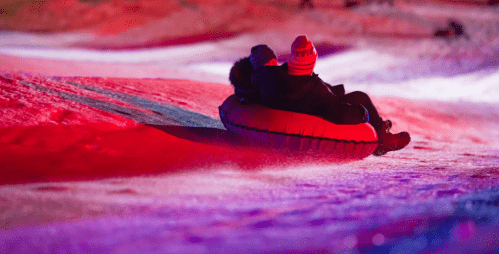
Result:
[{"x": 305, "y": 94}]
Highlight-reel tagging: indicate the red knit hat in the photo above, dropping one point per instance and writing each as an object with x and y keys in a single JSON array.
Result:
[{"x": 303, "y": 57}]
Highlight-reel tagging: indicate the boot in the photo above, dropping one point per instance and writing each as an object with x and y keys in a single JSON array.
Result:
[{"x": 389, "y": 142}]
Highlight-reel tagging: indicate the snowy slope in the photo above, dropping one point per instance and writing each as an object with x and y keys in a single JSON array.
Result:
[
  {"x": 203, "y": 193},
  {"x": 123, "y": 151}
]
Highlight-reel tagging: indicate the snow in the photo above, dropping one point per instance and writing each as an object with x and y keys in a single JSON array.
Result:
[
  {"x": 475, "y": 87},
  {"x": 376, "y": 72},
  {"x": 106, "y": 151},
  {"x": 132, "y": 56}
]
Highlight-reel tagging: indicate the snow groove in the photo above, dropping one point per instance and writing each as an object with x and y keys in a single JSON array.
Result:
[
  {"x": 132, "y": 114},
  {"x": 182, "y": 116},
  {"x": 165, "y": 114}
]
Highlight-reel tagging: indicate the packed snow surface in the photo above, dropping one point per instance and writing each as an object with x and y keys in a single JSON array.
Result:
[{"x": 122, "y": 151}]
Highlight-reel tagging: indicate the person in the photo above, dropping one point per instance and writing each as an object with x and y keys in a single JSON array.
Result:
[
  {"x": 454, "y": 30},
  {"x": 294, "y": 86},
  {"x": 306, "y": 4},
  {"x": 493, "y": 2},
  {"x": 305, "y": 94},
  {"x": 457, "y": 29}
]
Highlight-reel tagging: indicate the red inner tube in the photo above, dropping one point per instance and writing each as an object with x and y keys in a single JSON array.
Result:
[{"x": 296, "y": 132}]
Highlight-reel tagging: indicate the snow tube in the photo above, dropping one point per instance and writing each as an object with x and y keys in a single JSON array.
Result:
[{"x": 296, "y": 132}]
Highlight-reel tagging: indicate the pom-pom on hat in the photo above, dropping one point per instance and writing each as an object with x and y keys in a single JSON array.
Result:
[
  {"x": 303, "y": 56},
  {"x": 260, "y": 55}
]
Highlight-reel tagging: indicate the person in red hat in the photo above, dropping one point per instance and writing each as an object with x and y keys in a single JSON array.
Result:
[
  {"x": 301, "y": 66},
  {"x": 294, "y": 87}
]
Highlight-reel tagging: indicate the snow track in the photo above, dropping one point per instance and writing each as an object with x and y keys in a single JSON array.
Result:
[{"x": 163, "y": 112}]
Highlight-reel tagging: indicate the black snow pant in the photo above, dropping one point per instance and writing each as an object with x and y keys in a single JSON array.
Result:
[{"x": 363, "y": 99}]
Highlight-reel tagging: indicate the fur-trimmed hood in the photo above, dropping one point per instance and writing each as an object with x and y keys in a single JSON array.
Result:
[{"x": 240, "y": 78}]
